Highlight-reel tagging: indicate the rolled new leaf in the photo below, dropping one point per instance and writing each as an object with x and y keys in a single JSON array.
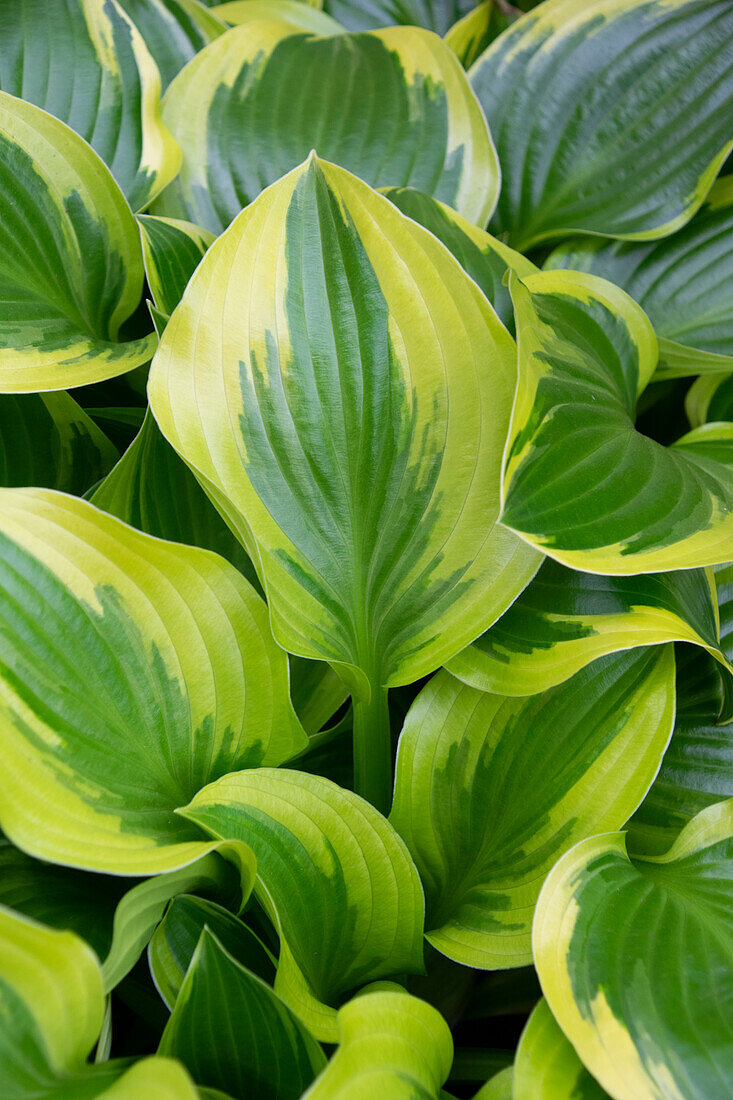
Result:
[
  {"x": 71, "y": 267},
  {"x": 547, "y": 1067},
  {"x": 476, "y": 30},
  {"x": 334, "y": 877},
  {"x": 105, "y": 84},
  {"x": 407, "y": 117},
  {"x": 48, "y": 440},
  {"x": 580, "y": 482},
  {"x": 269, "y": 1053},
  {"x": 390, "y": 1044},
  {"x": 349, "y": 423},
  {"x": 134, "y": 671},
  {"x": 565, "y": 619},
  {"x": 52, "y": 1006},
  {"x": 634, "y": 956},
  {"x": 598, "y": 130},
  {"x": 680, "y": 282},
  {"x": 490, "y": 791}
]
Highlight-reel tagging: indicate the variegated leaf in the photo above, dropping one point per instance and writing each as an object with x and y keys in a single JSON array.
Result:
[
  {"x": 435, "y": 15},
  {"x": 547, "y": 1067},
  {"x": 476, "y": 30},
  {"x": 173, "y": 30},
  {"x": 303, "y": 16}
]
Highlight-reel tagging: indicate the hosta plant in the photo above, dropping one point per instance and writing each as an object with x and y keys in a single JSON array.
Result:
[{"x": 366, "y": 550}]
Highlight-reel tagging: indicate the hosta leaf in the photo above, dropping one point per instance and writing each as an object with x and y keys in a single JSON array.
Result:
[
  {"x": 306, "y": 17},
  {"x": 103, "y": 83},
  {"x": 635, "y": 956},
  {"x": 365, "y": 421},
  {"x": 71, "y": 267},
  {"x": 391, "y": 1045},
  {"x": 500, "y": 1087},
  {"x": 407, "y": 117},
  {"x": 52, "y": 1006},
  {"x": 609, "y": 118},
  {"x": 491, "y": 790},
  {"x": 565, "y": 619},
  {"x": 133, "y": 672},
  {"x": 470, "y": 36},
  {"x": 48, "y": 440},
  {"x": 547, "y": 1067},
  {"x": 331, "y": 872},
  {"x": 174, "y": 31},
  {"x": 581, "y": 482},
  {"x": 680, "y": 282},
  {"x": 480, "y": 255},
  {"x": 174, "y": 942},
  {"x": 152, "y": 489},
  {"x": 172, "y": 250},
  {"x": 697, "y": 769},
  {"x": 710, "y": 399},
  {"x": 435, "y": 15},
  {"x": 252, "y": 1044},
  {"x": 316, "y": 691}
]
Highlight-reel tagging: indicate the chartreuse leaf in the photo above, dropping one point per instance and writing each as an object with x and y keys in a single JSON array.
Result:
[
  {"x": 634, "y": 956},
  {"x": 391, "y": 1044},
  {"x": 332, "y": 874},
  {"x": 133, "y": 672},
  {"x": 565, "y": 619},
  {"x": 306, "y": 17},
  {"x": 172, "y": 251},
  {"x": 580, "y": 482},
  {"x": 174, "y": 31},
  {"x": 610, "y": 118},
  {"x": 500, "y": 1087},
  {"x": 48, "y": 440},
  {"x": 349, "y": 423},
  {"x": 547, "y": 1067},
  {"x": 407, "y": 117},
  {"x": 435, "y": 15},
  {"x": 710, "y": 399},
  {"x": 469, "y": 37},
  {"x": 174, "y": 941},
  {"x": 491, "y": 790},
  {"x": 251, "y": 1043},
  {"x": 480, "y": 255},
  {"x": 52, "y": 1006},
  {"x": 104, "y": 84},
  {"x": 679, "y": 282},
  {"x": 697, "y": 769},
  {"x": 71, "y": 267}
]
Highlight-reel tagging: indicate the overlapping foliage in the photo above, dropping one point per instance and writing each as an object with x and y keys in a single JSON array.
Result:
[{"x": 366, "y": 608}]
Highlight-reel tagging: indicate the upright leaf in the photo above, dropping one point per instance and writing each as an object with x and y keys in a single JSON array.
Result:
[
  {"x": 710, "y": 399},
  {"x": 635, "y": 959},
  {"x": 251, "y": 1043},
  {"x": 366, "y": 414},
  {"x": 173, "y": 30},
  {"x": 610, "y": 118},
  {"x": 71, "y": 267},
  {"x": 172, "y": 250},
  {"x": 680, "y": 282},
  {"x": 103, "y": 82},
  {"x": 406, "y": 117},
  {"x": 48, "y": 440},
  {"x": 547, "y": 1067},
  {"x": 133, "y": 672},
  {"x": 392, "y": 1045},
  {"x": 491, "y": 790},
  {"x": 476, "y": 30},
  {"x": 580, "y": 481},
  {"x": 332, "y": 874}
]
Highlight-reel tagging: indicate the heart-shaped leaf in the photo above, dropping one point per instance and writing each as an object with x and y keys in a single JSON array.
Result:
[
  {"x": 391, "y": 1045},
  {"x": 635, "y": 959},
  {"x": 680, "y": 282},
  {"x": 52, "y": 1006},
  {"x": 105, "y": 85},
  {"x": 365, "y": 422},
  {"x": 71, "y": 268},
  {"x": 491, "y": 790},
  {"x": 173, "y": 30},
  {"x": 565, "y": 619},
  {"x": 581, "y": 482},
  {"x": 48, "y": 440},
  {"x": 187, "y": 680},
  {"x": 547, "y": 1067},
  {"x": 252, "y": 1044},
  {"x": 231, "y": 111},
  {"x": 334, "y": 877},
  {"x": 610, "y": 118}
]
